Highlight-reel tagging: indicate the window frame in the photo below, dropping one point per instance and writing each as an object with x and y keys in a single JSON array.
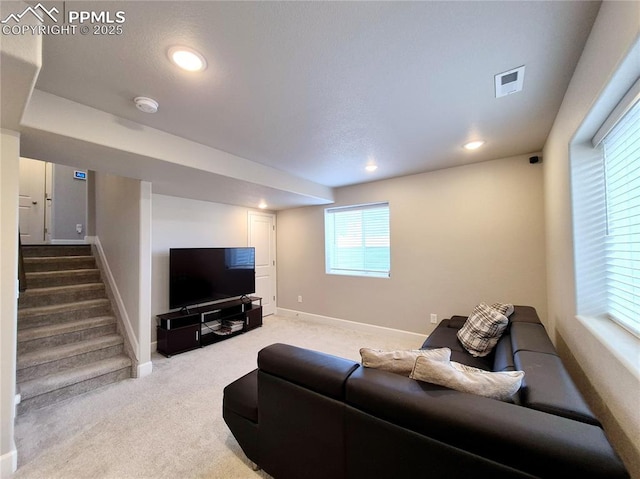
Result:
[
  {"x": 591, "y": 191},
  {"x": 330, "y": 216}
]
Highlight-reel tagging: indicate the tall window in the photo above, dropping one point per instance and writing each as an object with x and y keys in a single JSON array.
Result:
[
  {"x": 357, "y": 240},
  {"x": 622, "y": 189},
  {"x": 606, "y": 206}
]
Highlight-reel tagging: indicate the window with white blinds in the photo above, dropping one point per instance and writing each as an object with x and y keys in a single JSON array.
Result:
[
  {"x": 357, "y": 240},
  {"x": 622, "y": 188}
]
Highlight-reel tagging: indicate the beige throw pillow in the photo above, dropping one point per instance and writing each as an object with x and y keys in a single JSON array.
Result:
[
  {"x": 497, "y": 385},
  {"x": 400, "y": 361}
]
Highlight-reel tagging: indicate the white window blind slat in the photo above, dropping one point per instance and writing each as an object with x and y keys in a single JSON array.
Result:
[
  {"x": 357, "y": 240},
  {"x": 622, "y": 243}
]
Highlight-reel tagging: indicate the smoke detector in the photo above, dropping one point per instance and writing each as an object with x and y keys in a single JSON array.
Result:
[
  {"x": 509, "y": 82},
  {"x": 146, "y": 105}
]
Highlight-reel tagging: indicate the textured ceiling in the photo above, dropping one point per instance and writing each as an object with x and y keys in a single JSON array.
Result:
[{"x": 318, "y": 89}]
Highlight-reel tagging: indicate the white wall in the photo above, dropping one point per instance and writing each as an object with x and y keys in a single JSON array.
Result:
[
  {"x": 122, "y": 226},
  {"x": 186, "y": 223},
  {"x": 611, "y": 385},
  {"x": 458, "y": 236},
  {"x": 9, "y": 174},
  {"x": 21, "y": 59}
]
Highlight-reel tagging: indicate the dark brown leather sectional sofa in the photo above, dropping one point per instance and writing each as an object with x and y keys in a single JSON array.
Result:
[{"x": 305, "y": 414}]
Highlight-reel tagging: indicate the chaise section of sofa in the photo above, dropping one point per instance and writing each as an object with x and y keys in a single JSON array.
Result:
[{"x": 306, "y": 414}]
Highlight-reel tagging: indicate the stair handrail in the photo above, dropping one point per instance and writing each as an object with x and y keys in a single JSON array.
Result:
[{"x": 22, "y": 276}]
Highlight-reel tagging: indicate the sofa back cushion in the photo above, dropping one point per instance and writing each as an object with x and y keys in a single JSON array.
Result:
[
  {"x": 524, "y": 314},
  {"x": 523, "y": 439},
  {"x": 400, "y": 361},
  {"x": 319, "y": 372},
  {"x": 530, "y": 337},
  {"x": 547, "y": 387}
]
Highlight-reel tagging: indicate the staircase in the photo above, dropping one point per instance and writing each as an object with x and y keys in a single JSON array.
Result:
[{"x": 68, "y": 342}]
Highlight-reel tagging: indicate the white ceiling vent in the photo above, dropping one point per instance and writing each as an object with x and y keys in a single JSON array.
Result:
[{"x": 509, "y": 82}]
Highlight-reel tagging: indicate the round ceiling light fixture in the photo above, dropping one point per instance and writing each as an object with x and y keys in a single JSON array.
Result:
[
  {"x": 371, "y": 168},
  {"x": 263, "y": 205},
  {"x": 473, "y": 145},
  {"x": 145, "y": 104},
  {"x": 187, "y": 58}
]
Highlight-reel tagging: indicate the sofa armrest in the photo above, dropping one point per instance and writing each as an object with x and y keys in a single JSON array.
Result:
[
  {"x": 319, "y": 372},
  {"x": 524, "y": 439}
]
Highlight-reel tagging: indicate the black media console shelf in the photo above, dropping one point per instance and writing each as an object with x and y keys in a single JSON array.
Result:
[{"x": 185, "y": 330}]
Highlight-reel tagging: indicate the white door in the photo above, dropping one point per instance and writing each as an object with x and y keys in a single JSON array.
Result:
[
  {"x": 32, "y": 205},
  {"x": 262, "y": 236}
]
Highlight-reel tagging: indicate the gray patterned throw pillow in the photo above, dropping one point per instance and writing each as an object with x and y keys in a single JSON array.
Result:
[{"x": 482, "y": 330}]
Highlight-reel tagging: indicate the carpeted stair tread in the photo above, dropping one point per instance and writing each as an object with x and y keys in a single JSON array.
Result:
[
  {"x": 40, "y": 332},
  {"x": 55, "y": 250},
  {"x": 60, "y": 308},
  {"x": 55, "y": 259},
  {"x": 52, "y": 382},
  {"x": 35, "y": 358},
  {"x": 48, "y": 296},
  {"x": 57, "y": 263},
  {"x": 40, "y": 279},
  {"x": 69, "y": 288}
]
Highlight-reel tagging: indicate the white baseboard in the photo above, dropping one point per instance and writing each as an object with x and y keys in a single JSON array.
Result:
[
  {"x": 144, "y": 369},
  {"x": 354, "y": 326},
  {"x": 9, "y": 462}
]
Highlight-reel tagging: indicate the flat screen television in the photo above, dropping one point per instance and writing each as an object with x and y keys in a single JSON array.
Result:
[{"x": 203, "y": 275}]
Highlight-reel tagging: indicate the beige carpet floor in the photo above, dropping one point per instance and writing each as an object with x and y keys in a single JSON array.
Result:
[{"x": 168, "y": 424}]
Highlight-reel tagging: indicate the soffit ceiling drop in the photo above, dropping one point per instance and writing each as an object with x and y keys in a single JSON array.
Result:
[{"x": 320, "y": 89}]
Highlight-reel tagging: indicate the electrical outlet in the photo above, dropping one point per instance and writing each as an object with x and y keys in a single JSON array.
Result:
[
  {"x": 434, "y": 318},
  {"x": 300, "y": 299},
  {"x": 79, "y": 228}
]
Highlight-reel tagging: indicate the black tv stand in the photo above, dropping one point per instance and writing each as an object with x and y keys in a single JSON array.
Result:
[{"x": 191, "y": 328}]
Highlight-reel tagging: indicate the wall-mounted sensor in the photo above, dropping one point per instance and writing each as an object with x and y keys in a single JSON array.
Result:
[
  {"x": 534, "y": 159},
  {"x": 146, "y": 105},
  {"x": 509, "y": 82}
]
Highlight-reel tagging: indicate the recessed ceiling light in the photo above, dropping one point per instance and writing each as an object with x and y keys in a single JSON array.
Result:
[
  {"x": 262, "y": 205},
  {"x": 187, "y": 59},
  {"x": 371, "y": 167},
  {"x": 473, "y": 145}
]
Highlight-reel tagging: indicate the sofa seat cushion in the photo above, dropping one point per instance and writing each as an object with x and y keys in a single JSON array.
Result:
[
  {"x": 241, "y": 396},
  {"x": 497, "y": 385},
  {"x": 503, "y": 357},
  {"x": 456, "y": 322},
  {"x": 548, "y": 387},
  {"x": 531, "y": 337},
  {"x": 445, "y": 336}
]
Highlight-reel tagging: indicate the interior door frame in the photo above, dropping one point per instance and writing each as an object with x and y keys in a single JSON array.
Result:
[{"x": 274, "y": 279}]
